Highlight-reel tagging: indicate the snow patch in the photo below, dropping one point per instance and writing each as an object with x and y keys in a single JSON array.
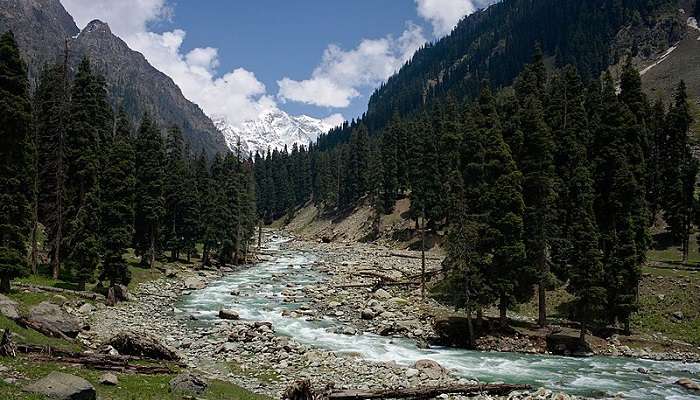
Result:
[
  {"x": 659, "y": 61},
  {"x": 273, "y": 129}
]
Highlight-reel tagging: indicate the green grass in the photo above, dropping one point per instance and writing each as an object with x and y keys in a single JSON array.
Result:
[{"x": 131, "y": 386}]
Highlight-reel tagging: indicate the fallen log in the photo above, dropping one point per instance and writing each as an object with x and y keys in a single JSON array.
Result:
[
  {"x": 302, "y": 390},
  {"x": 376, "y": 285},
  {"x": 377, "y": 275},
  {"x": 413, "y": 257},
  {"x": 84, "y": 295},
  {"x": 103, "y": 362},
  {"x": 27, "y": 324}
]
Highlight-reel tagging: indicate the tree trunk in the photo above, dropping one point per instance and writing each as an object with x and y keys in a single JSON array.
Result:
[
  {"x": 4, "y": 284},
  {"x": 503, "y": 311},
  {"x": 542, "y": 306},
  {"x": 152, "y": 249},
  {"x": 205, "y": 254},
  {"x": 422, "y": 259}
]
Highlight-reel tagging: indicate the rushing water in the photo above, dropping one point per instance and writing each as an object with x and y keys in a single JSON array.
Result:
[{"x": 260, "y": 298}]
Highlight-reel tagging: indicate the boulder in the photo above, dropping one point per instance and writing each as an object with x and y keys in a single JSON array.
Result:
[
  {"x": 568, "y": 343},
  {"x": 9, "y": 308},
  {"x": 367, "y": 314},
  {"x": 229, "y": 314},
  {"x": 142, "y": 345},
  {"x": 381, "y": 294},
  {"x": 688, "y": 384},
  {"x": 430, "y": 368},
  {"x": 52, "y": 319},
  {"x": 109, "y": 379},
  {"x": 194, "y": 283},
  {"x": 60, "y": 386},
  {"x": 86, "y": 308},
  {"x": 678, "y": 315},
  {"x": 188, "y": 383}
]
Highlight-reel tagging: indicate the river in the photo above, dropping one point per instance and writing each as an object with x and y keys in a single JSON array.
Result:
[{"x": 260, "y": 298}]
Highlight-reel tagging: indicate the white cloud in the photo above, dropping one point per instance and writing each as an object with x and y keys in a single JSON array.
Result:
[
  {"x": 333, "y": 120},
  {"x": 445, "y": 14},
  {"x": 337, "y": 80}
]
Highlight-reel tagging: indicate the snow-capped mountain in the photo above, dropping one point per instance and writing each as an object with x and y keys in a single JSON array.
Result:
[{"x": 272, "y": 129}]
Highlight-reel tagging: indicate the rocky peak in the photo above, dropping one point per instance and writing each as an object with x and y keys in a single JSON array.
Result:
[{"x": 97, "y": 27}]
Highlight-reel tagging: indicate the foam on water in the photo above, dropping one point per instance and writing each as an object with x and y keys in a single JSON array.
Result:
[{"x": 261, "y": 298}]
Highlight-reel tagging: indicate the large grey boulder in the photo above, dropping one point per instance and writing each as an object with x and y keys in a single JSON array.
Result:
[
  {"x": 188, "y": 383},
  {"x": 51, "y": 318},
  {"x": 229, "y": 314},
  {"x": 60, "y": 386},
  {"x": 688, "y": 384},
  {"x": 9, "y": 308},
  {"x": 194, "y": 283}
]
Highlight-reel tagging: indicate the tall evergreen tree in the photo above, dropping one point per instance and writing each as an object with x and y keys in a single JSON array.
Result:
[
  {"x": 118, "y": 185},
  {"x": 174, "y": 191},
  {"x": 83, "y": 160},
  {"x": 51, "y": 119},
  {"x": 680, "y": 171},
  {"x": 150, "y": 207},
  {"x": 15, "y": 162}
]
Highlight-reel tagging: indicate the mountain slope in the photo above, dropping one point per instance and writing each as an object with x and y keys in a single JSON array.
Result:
[
  {"x": 43, "y": 28},
  {"x": 273, "y": 129},
  {"x": 494, "y": 44}
]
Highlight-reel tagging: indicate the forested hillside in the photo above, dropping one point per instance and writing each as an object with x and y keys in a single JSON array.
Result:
[
  {"x": 551, "y": 177},
  {"x": 80, "y": 185}
]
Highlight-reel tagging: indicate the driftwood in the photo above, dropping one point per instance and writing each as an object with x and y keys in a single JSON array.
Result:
[
  {"x": 376, "y": 285},
  {"x": 302, "y": 390},
  {"x": 377, "y": 275},
  {"x": 102, "y": 362},
  {"x": 411, "y": 256},
  {"x": 84, "y": 295}
]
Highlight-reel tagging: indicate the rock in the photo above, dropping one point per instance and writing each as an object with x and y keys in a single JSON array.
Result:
[
  {"x": 194, "y": 283},
  {"x": 567, "y": 343},
  {"x": 229, "y": 314},
  {"x": 411, "y": 372},
  {"x": 188, "y": 383},
  {"x": 678, "y": 315},
  {"x": 430, "y": 368},
  {"x": 52, "y": 318},
  {"x": 109, "y": 379},
  {"x": 60, "y": 386},
  {"x": 642, "y": 370},
  {"x": 143, "y": 345},
  {"x": 688, "y": 384},
  {"x": 8, "y": 307},
  {"x": 334, "y": 304},
  {"x": 367, "y": 314},
  {"x": 86, "y": 308},
  {"x": 235, "y": 292},
  {"x": 381, "y": 294}
]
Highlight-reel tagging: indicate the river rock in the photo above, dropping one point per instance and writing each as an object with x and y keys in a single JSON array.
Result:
[
  {"x": 8, "y": 307},
  {"x": 430, "y": 368},
  {"x": 367, "y": 314},
  {"x": 688, "y": 384},
  {"x": 229, "y": 314},
  {"x": 381, "y": 294},
  {"x": 51, "y": 317},
  {"x": 678, "y": 315},
  {"x": 143, "y": 345},
  {"x": 60, "y": 386},
  {"x": 109, "y": 379},
  {"x": 188, "y": 383},
  {"x": 194, "y": 283}
]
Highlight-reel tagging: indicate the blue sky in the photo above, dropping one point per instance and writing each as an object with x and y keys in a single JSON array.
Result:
[
  {"x": 275, "y": 38},
  {"x": 237, "y": 58}
]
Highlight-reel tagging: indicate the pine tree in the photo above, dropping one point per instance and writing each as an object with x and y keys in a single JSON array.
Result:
[
  {"x": 15, "y": 162},
  {"x": 174, "y": 191},
  {"x": 150, "y": 207},
  {"x": 83, "y": 161},
  {"x": 390, "y": 170},
  {"x": 679, "y": 171},
  {"x": 118, "y": 185},
  {"x": 51, "y": 119},
  {"x": 538, "y": 193}
]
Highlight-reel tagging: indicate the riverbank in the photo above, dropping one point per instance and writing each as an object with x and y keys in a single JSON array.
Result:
[{"x": 249, "y": 352}]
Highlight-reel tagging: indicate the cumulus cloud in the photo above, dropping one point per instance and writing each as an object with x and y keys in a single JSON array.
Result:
[
  {"x": 445, "y": 14},
  {"x": 237, "y": 95},
  {"x": 342, "y": 73}
]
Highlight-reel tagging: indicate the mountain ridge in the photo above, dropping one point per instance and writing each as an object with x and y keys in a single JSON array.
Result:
[{"x": 44, "y": 29}]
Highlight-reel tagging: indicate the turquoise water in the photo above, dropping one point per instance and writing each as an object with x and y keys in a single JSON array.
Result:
[{"x": 261, "y": 299}]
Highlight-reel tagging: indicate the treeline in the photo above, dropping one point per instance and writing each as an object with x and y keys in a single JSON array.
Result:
[
  {"x": 554, "y": 181},
  {"x": 76, "y": 174}
]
